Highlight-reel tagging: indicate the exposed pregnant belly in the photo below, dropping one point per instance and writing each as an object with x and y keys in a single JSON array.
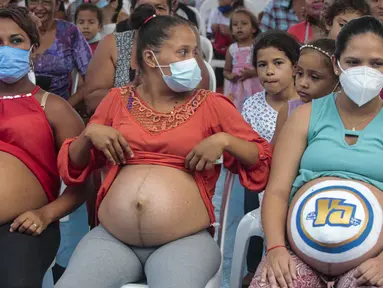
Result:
[
  {"x": 20, "y": 189},
  {"x": 150, "y": 205},
  {"x": 328, "y": 224}
]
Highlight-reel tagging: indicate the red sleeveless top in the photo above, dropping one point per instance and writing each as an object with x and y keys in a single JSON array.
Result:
[{"x": 26, "y": 134}]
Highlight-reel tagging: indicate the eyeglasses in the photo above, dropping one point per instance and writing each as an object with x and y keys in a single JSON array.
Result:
[{"x": 45, "y": 3}]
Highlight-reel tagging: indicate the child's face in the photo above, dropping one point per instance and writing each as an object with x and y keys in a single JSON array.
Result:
[
  {"x": 241, "y": 26},
  {"x": 377, "y": 8},
  {"x": 314, "y": 79},
  {"x": 339, "y": 21},
  {"x": 88, "y": 24},
  {"x": 275, "y": 70},
  {"x": 314, "y": 8}
]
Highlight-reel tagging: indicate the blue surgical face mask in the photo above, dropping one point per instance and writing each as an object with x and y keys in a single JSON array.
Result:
[
  {"x": 186, "y": 75},
  {"x": 225, "y": 9},
  {"x": 102, "y": 3},
  {"x": 14, "y": 64}
]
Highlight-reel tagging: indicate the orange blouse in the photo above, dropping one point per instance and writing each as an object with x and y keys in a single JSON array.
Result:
[{"x": 166, "y": 139}]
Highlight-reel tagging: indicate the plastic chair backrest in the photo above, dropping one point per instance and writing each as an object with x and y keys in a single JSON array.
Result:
[
  {"x": 201, "y": 24},
  {"x": 126, "y": 5},
  {"x": 75, "y": 79},
  {"x": 206, "y": 8},
  {"x": 108, "y": 29},
  {"x": 207, "y": 49},
  {"x": 213, "y": 80},
  {"x": 182, "y": 14},
  {"x": 255, "y": 6}
]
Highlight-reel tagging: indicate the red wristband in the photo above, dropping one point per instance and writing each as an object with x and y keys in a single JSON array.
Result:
[{"x": 275, "y": 247}]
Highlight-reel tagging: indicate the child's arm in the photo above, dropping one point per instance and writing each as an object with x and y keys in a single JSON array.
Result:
[
  {"x": 247, "y": 73},
  {"x": 227, "y": 72},
  {"x": 281, "y": 120}
]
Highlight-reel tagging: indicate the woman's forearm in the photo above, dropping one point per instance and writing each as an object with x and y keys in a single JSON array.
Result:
[
  {"x": 246, "y": 152},
  {"x": 79, "y": 151},
  {"x": 76, "y": 98},
  {"x": 93, "y": 99},
  {"x": 66, "y": 203},
  {"x": 274, "y": 214}
]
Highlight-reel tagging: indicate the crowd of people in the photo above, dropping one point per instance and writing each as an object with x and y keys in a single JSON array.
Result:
[{"x": 127, "y": 122}]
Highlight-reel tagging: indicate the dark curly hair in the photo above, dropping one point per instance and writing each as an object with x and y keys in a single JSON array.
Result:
[
  {"x": 280, "y": 40},
  {"x": 20, "y": 16},
  {"x": 339, "y": 7}
]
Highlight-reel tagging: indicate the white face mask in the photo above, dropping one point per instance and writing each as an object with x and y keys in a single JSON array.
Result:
[
  {"x": 361, "y": 84},
  {"x": 186, "y": 75}
]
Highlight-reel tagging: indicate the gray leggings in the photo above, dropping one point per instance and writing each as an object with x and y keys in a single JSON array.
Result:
[{"x": 102, "y": 261}]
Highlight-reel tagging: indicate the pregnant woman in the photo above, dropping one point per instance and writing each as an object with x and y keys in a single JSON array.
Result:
[
  {"x": 328, "y": 161},
  {"x": 162, "y": 140},
  {"x": 31, "y": 133}
]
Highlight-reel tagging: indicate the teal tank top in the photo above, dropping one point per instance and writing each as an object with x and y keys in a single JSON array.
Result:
[{"x": 328, "y": 154}]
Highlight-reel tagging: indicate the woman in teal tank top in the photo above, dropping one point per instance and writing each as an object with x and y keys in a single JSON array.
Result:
[{"x": 325, "y": 192}]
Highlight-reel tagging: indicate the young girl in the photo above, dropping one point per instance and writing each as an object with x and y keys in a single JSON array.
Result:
[
  {"x": 314, "y": 78},
  {"x": 239, "y": 69},
  {"x": 310, "y": 28},
  {"x": 112, "y": 11},
  {"x": 341, "y": 12},
  {"x": 218, "y": 30},
  {"x": 275, "y": 55},
  {"x": 88, "y": 19},
  {"x": 219, "y": 25}
]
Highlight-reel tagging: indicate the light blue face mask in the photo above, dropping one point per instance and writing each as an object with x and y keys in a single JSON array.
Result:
[
  {"x": 102, "y": 3},
  {"x": 14, "y": 64},
  {"x": 96, "y": 38},
  {"x": 186, "y": 75}
]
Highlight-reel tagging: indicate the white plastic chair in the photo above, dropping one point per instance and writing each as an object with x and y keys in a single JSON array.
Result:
[
  {"x": 182, "y": 14},
  {"x": 255, "y": 6},
  {"x": 213, "y": 80},
  {"x": 207, "y": 49},
  {"x": 48, "y": 277},
  {"x": 200, "y": 22},
  {"x": 75, "y": 80},
  {"x": 249, "y": 226},
  {"x": 108, "y": 29},
  {"x": 206, "y": 7},
  {"x": 215, "y": 282}
]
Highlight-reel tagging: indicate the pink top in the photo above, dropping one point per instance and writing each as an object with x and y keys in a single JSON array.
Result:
[{"x": 302, "y": 31}]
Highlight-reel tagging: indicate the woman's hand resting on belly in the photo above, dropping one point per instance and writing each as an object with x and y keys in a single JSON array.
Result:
[
  {"x": 370, "y": 273},
  {"x": 109, "y": 141}
]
